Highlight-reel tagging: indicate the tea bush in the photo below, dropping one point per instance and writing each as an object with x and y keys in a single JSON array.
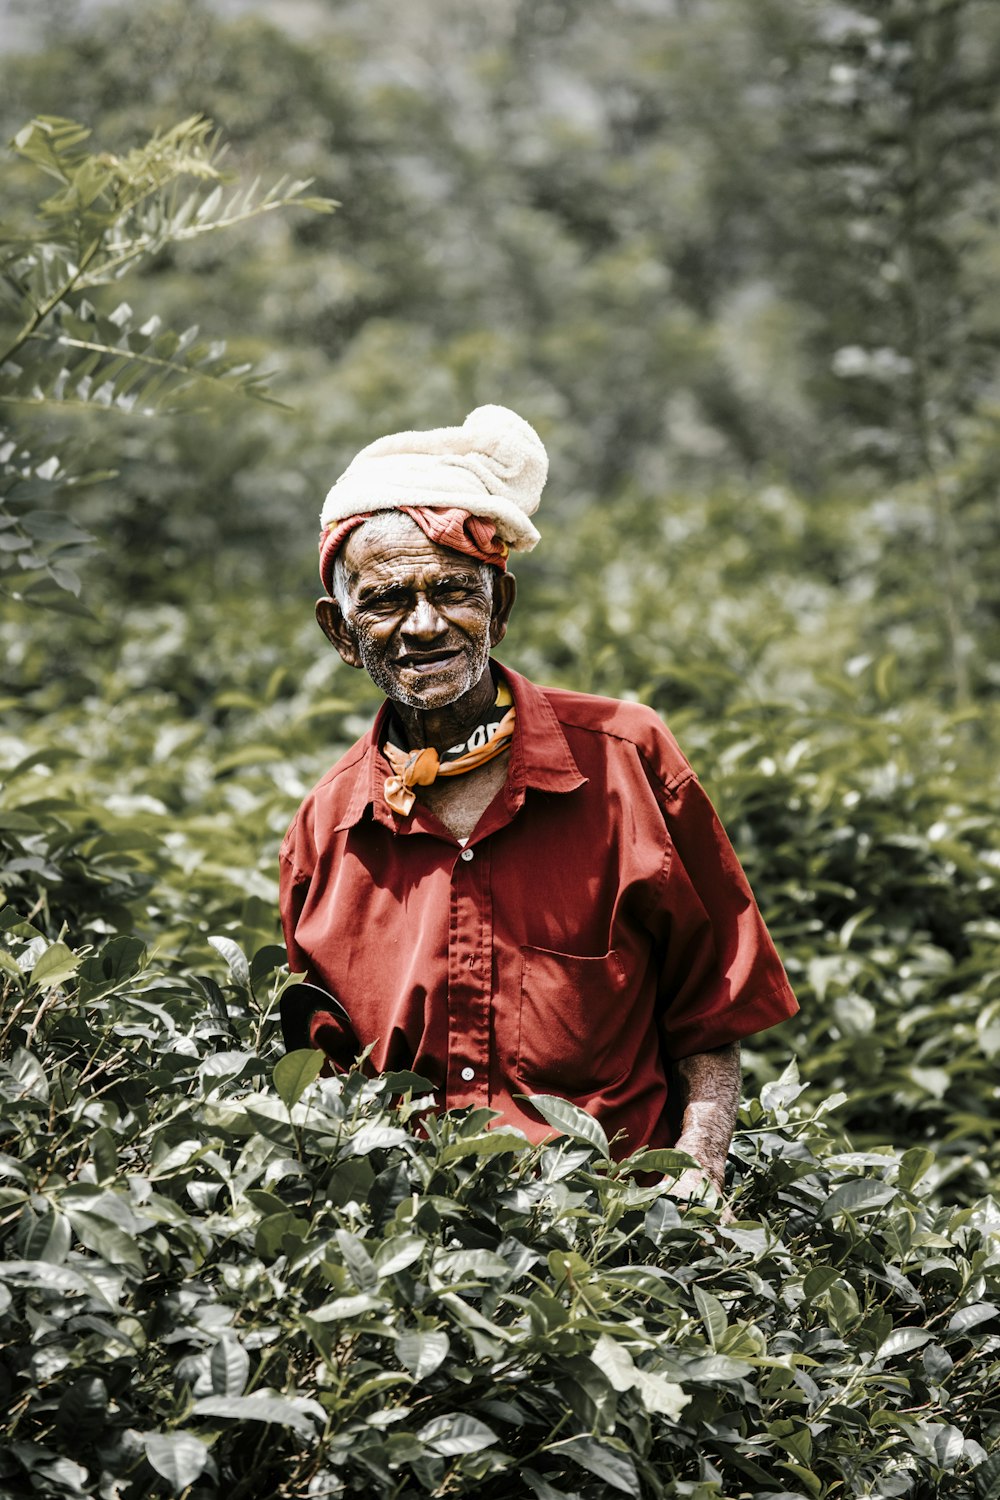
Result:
[
  {"x": 214, "y": 1285},
  {"x": 152, "y": 777}
]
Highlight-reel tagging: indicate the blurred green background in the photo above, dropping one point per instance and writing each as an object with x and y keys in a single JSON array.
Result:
[{"x": 737, "y": 261}]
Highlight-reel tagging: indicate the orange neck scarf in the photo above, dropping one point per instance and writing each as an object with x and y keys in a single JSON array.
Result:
[{"x": 421, "y": 767}]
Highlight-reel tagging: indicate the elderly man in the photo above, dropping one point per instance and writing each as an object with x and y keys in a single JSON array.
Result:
[{"x": 510, "y": 889}]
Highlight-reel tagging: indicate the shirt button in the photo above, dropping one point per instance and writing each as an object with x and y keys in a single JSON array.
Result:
[
  {"x": 466, "y": 855},
  {"x": 468, "y": 1074}
]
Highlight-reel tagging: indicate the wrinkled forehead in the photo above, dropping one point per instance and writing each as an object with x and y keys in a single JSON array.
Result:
[{"x": 407, "y": 558}]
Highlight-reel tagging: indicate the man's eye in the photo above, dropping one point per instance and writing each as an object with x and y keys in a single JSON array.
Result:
[{"x": 453, "y": 591}]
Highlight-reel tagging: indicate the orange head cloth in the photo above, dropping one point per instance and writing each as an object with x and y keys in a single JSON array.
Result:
[{"x": 454, "y": 528}]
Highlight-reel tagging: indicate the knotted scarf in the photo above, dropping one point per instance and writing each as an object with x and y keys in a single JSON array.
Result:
[{"x": 423, "y": 766}]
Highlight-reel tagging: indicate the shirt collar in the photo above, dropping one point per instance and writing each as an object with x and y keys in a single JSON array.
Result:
[
  {"x": 540, "y": 753},
  {"x": 540, "y": 756}
]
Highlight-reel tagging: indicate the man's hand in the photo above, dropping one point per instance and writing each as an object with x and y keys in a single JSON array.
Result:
[
  {"x": 696, "y": 1184},
  {"x": 710, "y": 1083}
]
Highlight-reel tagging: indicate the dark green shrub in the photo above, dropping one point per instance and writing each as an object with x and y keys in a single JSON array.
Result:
[{"x": 213, "y": 1287}]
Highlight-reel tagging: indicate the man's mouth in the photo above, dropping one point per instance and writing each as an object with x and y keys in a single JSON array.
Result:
[{"x": 426, "y": 661}]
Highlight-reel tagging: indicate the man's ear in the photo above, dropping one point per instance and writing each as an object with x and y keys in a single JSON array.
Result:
[
  {"x": 330, "y": 619},
  {"x": 504, "y": 593}
]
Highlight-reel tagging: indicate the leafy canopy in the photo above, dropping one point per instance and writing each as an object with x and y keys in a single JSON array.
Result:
[{"x": 64, "y": 343}]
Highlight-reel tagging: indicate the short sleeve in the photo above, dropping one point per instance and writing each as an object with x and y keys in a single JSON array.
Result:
[
  {"x": 721, "y": 979},
  {"x": 293, "y": 888}
]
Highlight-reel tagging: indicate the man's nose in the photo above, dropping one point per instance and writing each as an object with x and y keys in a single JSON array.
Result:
[{"x": 423, "y": 620}]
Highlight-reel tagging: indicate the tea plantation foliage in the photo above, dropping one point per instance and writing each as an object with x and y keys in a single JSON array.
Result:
[
  {"x": 216, "y": 1285},
  {"x": 226, "y": 1277},
  {"x": 221, "y": 1275}
]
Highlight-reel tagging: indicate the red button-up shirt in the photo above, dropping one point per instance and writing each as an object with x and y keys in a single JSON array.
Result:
[{"x": 596, "y": 925}]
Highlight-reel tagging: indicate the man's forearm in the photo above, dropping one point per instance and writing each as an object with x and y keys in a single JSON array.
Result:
[{"x": 710, "y": 1098}]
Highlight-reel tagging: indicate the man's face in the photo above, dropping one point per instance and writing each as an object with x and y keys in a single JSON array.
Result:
[{"x": 421, "y": 618}]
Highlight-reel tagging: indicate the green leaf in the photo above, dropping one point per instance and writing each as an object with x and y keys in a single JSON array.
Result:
[
  {"x": 53, "y": 526},
  {"x": 37, "y": 1273},
  {"x": 229, "y": 1367},
  {"x": 972, "y": 1316},
  {"x": 949, "y": 1445},
  {"x": 83, "y": 1406},
  {"x": 615, "y": 1468},
  {"x": 458, "y": 1265},
  {"x": 615, "y": 1362},
  {"x": 713, "y": 1315},
  {"x": 785, "y": 1494},
  {"x": 398, "y": 1253},
  {"x": 48, "y": 1238},
  {"x": 903, "y": 1341},
  {"x": 57, "y": 964},
  {"x": 845, "y": 1309},
  {"x": 264, "y": 962},
  {"x": 360, "y": 1264},
  {"x": 64, "y": 578},
  {"x": 8, "y": 965},
  {"x": 28, "y": 1074},
  {"x": 855, "y": 1016},
  {"x": 351, "y": 1180},
  {"x": 453, "y": 1433},
  {"x": 913, "y": 1164},
  {"x": 119, "y": 960},
  {"x": 178, "y": 1457},
  {"x": 662, "y": 1159},
  {"x": 376, "y": 1137},
  {"x": 295, "y": 1072},
  {"x": 347, "y": 1307},
  {"x": 104, "y": 1154},
  {"x": 470, "y": 1318},
  {"x": 987, "y": 1478},
  {"x": 266, "y": 1202},
  {"x": 234, "y": 956},
  {"x": 422, "y": 1353},
  {"x": 570, "y": 1120},
  {"x": 107, "y": 1240},
  {"x": 861, "y": 1197},
  {"x": 933, "y": 1081},
  {"x": 53, "y": 1476},
  {"x": 299, "y": 1414},
  {"x": 541, "y": 1488},
  {"x": 937, "y": 1362},
  {"x": 662, "y": 1397},
  {"x": 270, "y": 1235},
  {"x": 52, "y": 143},
  {"x": 405, "y": 1080},
  {"x": 567, "y": 1265},
  {"x": 781, "y": 1092},
  {"x": 713, "y": 1369},
  {"x": 490, "y": 1143},
  {"x": 817, "y": 1281}
]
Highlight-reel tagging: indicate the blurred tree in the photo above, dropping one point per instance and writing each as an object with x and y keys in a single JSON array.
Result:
[
  {"x": 701, "y": 244},
  {"x": 179, "y": 493},
  {"x": 896, "y": 116},
  {"x": 61, "y": 346},
  {"x": 547, "y": 205}
]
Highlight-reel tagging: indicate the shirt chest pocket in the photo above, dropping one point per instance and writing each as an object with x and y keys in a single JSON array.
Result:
[{"x": 570, "y": 1027}]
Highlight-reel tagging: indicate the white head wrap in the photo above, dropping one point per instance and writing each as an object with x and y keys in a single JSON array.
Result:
[{"x": 494, "y": 465}]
